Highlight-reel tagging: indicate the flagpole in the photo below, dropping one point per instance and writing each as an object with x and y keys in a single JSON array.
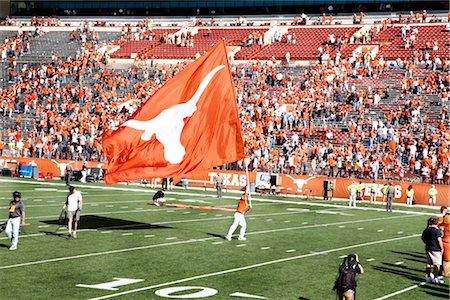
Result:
[{"x": 247, "y": 162}]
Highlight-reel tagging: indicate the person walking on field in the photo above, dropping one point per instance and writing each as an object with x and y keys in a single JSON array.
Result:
[
  {"x": 239, "y": 218},
  {"x": 74, "y": 204},
  {"x": 16, "y": 214}
]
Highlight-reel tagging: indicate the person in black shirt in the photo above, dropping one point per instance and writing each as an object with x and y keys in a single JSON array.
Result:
[
  {"x": 16, "y": 215},
  {"x": 345, "y": 284},
  {"x": 432, "y": 237},
  {"x": 158, "y": 198}
]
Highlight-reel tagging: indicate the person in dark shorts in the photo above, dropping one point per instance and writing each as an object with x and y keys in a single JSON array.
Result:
[{"x": 432, "y": 237}]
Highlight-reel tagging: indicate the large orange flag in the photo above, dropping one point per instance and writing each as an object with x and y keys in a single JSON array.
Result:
[{"x": 192, "y": 122}]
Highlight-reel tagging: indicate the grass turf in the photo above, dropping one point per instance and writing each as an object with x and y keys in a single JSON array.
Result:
[{"x": 292, "y": 251}]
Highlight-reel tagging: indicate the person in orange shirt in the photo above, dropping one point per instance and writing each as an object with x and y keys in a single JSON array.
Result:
[
  {"x": 444, "y": 225},
  {"x": 239, "y": 218}
]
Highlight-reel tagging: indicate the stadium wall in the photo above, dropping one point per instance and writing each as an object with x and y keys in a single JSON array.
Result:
[{"x": 297, "y": 185}]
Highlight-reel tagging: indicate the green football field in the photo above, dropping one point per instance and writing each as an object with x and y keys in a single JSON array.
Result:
[{"x": 128, "y": 249}]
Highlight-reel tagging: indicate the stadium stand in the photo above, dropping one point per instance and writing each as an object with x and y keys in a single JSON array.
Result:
[{"x": 349, "y": 100}]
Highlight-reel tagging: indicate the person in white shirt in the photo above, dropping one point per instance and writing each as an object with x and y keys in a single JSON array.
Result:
[{"x": 74, "y": 204}]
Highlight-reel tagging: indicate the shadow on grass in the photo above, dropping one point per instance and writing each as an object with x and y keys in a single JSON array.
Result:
[
  {"x": 216, "y": 235},
  {"x": 56, "y": 233},
  {"x": 4, "y": 246},
  {"x": 105, "y": 223},
  {"x": 413, "y": 256},
  {"x": 403, "y": 267},
  {"x": 435, "y": 290},
  {"x": 401, "y": 271}
]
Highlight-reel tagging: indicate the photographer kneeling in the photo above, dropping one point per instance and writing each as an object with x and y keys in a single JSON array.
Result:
[{"x": 345, "y": 284}]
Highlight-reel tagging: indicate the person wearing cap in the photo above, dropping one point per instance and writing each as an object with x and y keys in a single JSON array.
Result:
[
  {"x": 16, "y": 214},
  {"x": 74, "y": 204},
  {"x": 158, "y": 198},
  {"x": 432, "y": 192}
]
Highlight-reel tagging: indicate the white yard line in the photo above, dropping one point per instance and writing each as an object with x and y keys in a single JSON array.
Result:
[
  {"x": 92, "y": 254},
  {"x": 402, "y": 291},
  {"x": 249, "y": 267}
]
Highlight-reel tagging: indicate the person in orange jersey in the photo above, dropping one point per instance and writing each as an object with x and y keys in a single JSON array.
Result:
[
  {"x": 444, "y": 224},
  {"x": 239, "y": 218}
]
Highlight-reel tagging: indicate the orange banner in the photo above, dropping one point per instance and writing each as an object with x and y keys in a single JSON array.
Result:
[
  {"x": 314, "y": 186},
  {"x": 289, "y": 184}
]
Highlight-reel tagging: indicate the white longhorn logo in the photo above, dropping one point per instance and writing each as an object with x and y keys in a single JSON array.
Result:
[
  {"x": 61, "y": 166},
  {"x": 300, "y": 182},
  {"x": 168, "y": 125}
]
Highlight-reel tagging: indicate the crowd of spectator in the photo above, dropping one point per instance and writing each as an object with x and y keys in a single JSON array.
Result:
[{"x": 312, "y": 120}]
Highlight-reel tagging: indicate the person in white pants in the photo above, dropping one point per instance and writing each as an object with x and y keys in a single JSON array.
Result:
[
  {"x": 16, "y": 213},
  {"x": 352, "y": 190},
  {"x": 239, "y": 218}
]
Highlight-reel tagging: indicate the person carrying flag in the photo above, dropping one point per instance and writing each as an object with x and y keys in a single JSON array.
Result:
[
  {"x": 74, "y": 204},
  {"x": 239, "y": 218},
  {"x": 16, "y": 213}
]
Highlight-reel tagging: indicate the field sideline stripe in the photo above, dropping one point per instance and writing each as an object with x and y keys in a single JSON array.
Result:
[
  {"x": 149, "y": 190},
  {"x": 402, "y": 291},
  {"x": 183, "y": 242},
  {"x": 254, "y": 266}
]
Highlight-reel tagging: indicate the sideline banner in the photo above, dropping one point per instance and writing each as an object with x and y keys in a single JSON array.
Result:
[
  {"x": 57, "y": 167},
  {"x": 290, "y": 184},
  {"x": 313, "y": 185},
  {"x": 262, "y": 180}
]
